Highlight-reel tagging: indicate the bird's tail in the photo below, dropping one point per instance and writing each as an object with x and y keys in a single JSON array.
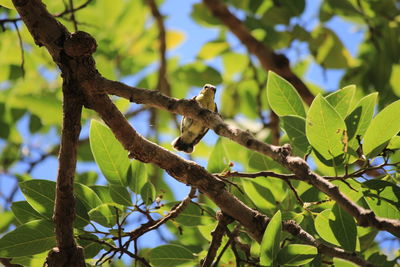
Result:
[{"x": 180, "y": 145}]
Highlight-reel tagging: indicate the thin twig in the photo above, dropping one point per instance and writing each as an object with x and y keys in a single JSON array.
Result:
[
  {"x": 72, "y": 12},
  {"x": 21, "y": 46}
]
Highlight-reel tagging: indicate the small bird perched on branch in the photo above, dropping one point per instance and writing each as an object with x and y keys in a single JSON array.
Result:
[{"x": 192, "y": 131}]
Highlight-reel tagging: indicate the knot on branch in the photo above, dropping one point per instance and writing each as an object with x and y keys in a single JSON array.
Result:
[
  {"x": 298, "y": 166},
  {"x": 80, "y": 44},
  {"x": 224, "y": 218},
  {"x": 285, "y": 150},
  {"x": 72, "y": 256}
]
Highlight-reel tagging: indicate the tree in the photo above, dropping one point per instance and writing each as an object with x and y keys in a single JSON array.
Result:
[{"x": 310, "y": 178}]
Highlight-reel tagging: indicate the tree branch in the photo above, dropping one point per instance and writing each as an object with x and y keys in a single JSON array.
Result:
[
  {"x": 152, "y": 225},
  {"x": 267, "y": 57},
  {"x": 281, "y": 154},
  {"x": 162, "y": 84},
  {"x": 217, "y": 235}
]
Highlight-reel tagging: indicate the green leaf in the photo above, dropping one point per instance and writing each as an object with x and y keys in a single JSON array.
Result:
[
  {"x": 295, "y": 128},
  {"x": 383, "y": 198},
  {"x": 341, "y": 100},
  {"x": 137, "y": 176},
  {"x": 40, "y": 194},
  {"x": 234, "y": 63},
  {"x": 87, "y": 178},
  {"x": 170, "y": 255},
  {"x": 271, "y": 240},
  {"x": 24, "y": 212},
  {"x": 328, "y": 49},
  {"x": 212, "y": 49},
  {"x": 91, "y": 248},
  {"x": 103, "y": 192},
  {"x": 47, "y": 107},
  {"x": 283, "y": 97},
  {"x": 120, "y": 195},
  {"x": 337, "y": 227},
  {"x": 296, "y": 254},
  {"x": 261, "y": 195},
  {"x": 7, "y": 3},
  {"x": 325, "y": 129},
  {"x": 343, "y": 263},
  {"x": 360, "y": 117},
  {"x": 382, "y": 128},
  {"x": 202, "y": 15},
  {"x": 148, "y": 193},
  {"x": 219, "y": 158},
  {"x": 32, "y": 260},
  {"x": 109, "y": 154},
  {"x": 7, "y": 218},
  {"x": 198, "y": 74},
  {"x": 192, "y": 215},
  {"x": 104, "y": 215},
  {"x": 28, "y": 239},
  {"x": 88, "y": 197}
]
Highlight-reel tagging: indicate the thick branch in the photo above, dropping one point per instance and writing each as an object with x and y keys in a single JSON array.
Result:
[
  {"x": 267, "y": 57},
  {"x": 64, "y": 209},
  {"x": 281, "y": 154}
]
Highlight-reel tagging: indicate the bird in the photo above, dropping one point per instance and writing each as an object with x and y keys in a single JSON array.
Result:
[{"x": 193, "y": 131}]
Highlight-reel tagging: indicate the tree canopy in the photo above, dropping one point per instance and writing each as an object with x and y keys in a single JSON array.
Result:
[{"x": 291, "y": 173}]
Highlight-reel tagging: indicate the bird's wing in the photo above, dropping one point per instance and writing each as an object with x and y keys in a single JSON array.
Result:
[
  {"x": 199, "y": 137},
  {"x": 186, "y": 122}
]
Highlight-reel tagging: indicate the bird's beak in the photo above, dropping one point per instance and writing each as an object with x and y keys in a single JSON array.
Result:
[{"x": 214, "y": 89}]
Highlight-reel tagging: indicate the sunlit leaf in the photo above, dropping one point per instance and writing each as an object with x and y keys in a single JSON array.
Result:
[
  {"x": 234, "y": 63},
  {"x": 148, "y": 193},
  {"x": 88, "y": 197},
  {"x": 271, "y": 240},
  {"x": 170, "y": 255},
  {"x": 383, "y": 198},
  {"x": 283, "y": 97},
  {"x": 28, "y": 239},
  {"x": 109, "y": 154},
  {"x": 40, "y": 194},
  {"x": 219, "y": 158},
  {"x": 120, "y": 195},
  {"x": 325, "y": 128},
  {"x": 24, "y": 212},
  {"x": 358, "y": 120},
  {"x": 137, "y": 176},
  {"x": 174, "y": 38},
  {"x": 382, "y": 128},
  {"x": 337, "y": 227},
  {"x": 212, "y": 49},
  {"x": 342, "y": 99},
  {"x": 295, "y": 128},
  {"x": 296, "y": 254}
]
